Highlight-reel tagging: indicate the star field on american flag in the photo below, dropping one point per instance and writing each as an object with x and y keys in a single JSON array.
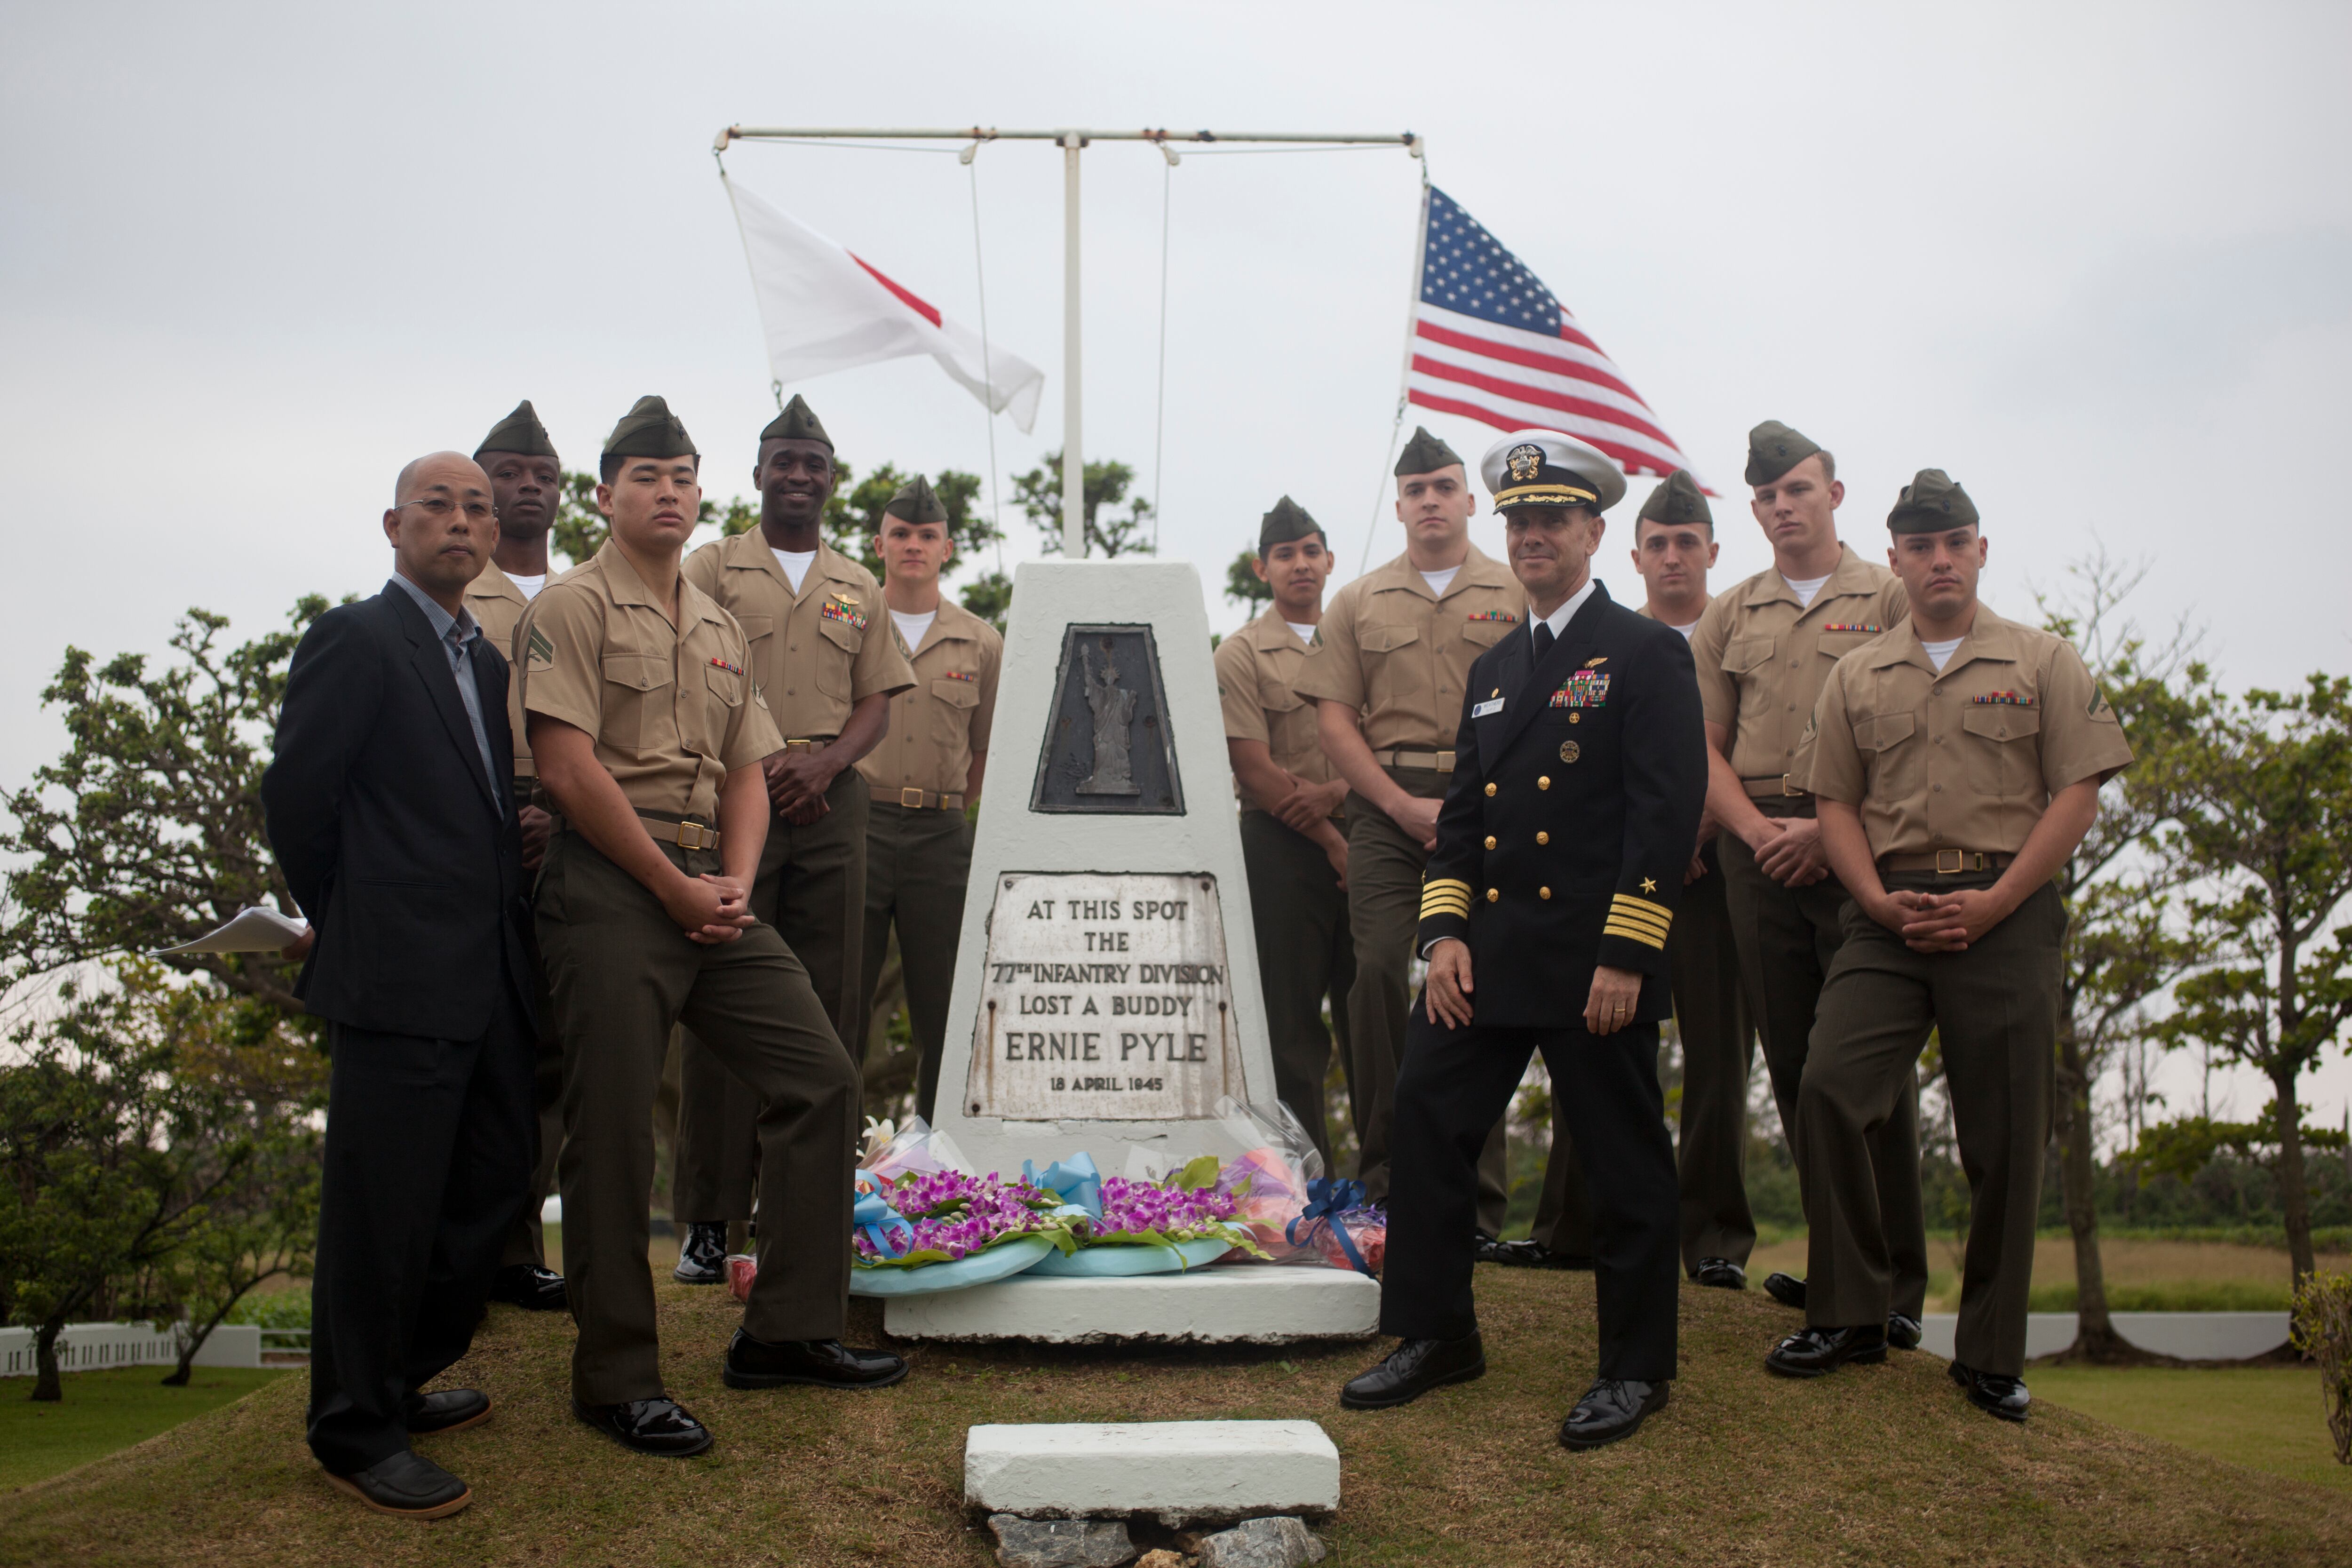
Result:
[{"x": 1493, "y": 344}]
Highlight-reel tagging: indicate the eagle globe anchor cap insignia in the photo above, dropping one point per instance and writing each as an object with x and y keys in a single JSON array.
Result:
[{"x": 1525, "y": 461}]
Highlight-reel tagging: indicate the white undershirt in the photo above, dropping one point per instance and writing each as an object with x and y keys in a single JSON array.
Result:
[
  {"x": 1440, "y": 581},
  {"x": 1940, "y": 654},
  {"x": 1687, "y": 630},
  {"x": 795, "y": 564},
  {"x": 530, "y": 586},
  {"x": 914, "y": 628},
  {"x": 1805, "y": 587},
  {"x": 1557, "y": 620},
  {"x": 1306, "y": 634}
]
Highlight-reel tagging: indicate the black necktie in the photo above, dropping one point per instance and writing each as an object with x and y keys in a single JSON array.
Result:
[{"x": 1543, "y": 640}]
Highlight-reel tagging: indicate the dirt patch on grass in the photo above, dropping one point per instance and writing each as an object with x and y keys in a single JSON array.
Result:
[{"x": 1884, "y": 1465}]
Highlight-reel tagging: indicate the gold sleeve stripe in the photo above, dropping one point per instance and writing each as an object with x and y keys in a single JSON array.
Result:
[
  {"x": 1446, "y": 884},
  {"x": 1443, "y": 906},
  {"x": 1627, "y": 908},
  {"x": 1637, "y": 933}
]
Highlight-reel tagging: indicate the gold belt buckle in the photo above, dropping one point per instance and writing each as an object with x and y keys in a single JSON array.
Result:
[
  {"x": 911, "y": 799},
  {"x": 1788, "y": 789},
  {"x": 702, "y": 838},
  {"x": 1959, "y": 862}
]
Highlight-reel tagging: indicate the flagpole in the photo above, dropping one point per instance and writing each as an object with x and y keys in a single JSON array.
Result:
[
  {"x": 1405, "y": 377},
  {"x": 1073, "y": 467}
]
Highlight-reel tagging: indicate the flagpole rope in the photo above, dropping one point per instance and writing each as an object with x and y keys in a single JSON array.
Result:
[
  {"x": 1160, "y": 402},
  {"x": 1405, "y": 378},
  {"x": 987, "y": 365}
]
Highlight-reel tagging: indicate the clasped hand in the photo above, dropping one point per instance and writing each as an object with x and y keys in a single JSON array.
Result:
[
  {"x": 1793, "y": 856},
  {"x": 1940, "y": 923},
  {"x": 796, "y": 785},
  {"x": 710, "y": 909},
  {"x": 1611, "y": 1005}
]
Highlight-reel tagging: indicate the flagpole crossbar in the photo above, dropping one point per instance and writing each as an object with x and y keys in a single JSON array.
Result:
[{"x": 1072, "y": 142}]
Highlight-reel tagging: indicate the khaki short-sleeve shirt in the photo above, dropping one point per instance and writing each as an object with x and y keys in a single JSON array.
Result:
[
  {"x": 939, "y": 721},
  {"x": 498, "y": 604},
  {"x": 1967, "y": 759},
  {"x": 1257, "y": 672},
  {"x": 673, "y": 707},
  {"x": 1762, "y": 658},
  {"x": 817, "y": 653},
  {"x": 1400, "y": 654}
]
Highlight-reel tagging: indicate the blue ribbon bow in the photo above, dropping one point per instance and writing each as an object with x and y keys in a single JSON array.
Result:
[
  {"x": 873, "y": 1214},
  {"x": 1328, "y": 1198},
  {"x": 1076, "y": 1180}
]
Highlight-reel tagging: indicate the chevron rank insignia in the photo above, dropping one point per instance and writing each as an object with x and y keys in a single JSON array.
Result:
[{"x": 540, "y": 655}]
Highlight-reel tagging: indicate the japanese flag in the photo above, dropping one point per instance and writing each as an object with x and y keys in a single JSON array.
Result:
[{"x": 825, "y": 309}]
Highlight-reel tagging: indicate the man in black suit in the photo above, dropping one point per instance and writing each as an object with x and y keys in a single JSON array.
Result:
[
  {"x": 1579, "y": 773},
  {"x": 389, "y": 809}
]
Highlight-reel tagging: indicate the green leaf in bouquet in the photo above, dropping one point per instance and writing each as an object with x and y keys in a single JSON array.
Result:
[{"x": 1197, "y": 1175}]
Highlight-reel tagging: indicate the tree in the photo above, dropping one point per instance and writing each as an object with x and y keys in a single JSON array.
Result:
[
  {"x": 853, "y": 515},
  {"x": 110, "y": 1159},
  {"x": 580, "y": 529},
  {"x": 2122, "y": 944},
  {"x": 148, "y": 831},
  {"x": 1245, "y": 586},
  {"x": 1039, "y": 491},
  {"x": 2265, "y": 817}
]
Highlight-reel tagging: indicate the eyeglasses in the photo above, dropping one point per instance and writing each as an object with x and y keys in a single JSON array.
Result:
[{"x": 441, "y": 506}]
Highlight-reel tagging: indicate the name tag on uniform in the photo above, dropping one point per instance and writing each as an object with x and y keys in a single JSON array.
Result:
[{"x": 1480, "y": 710}]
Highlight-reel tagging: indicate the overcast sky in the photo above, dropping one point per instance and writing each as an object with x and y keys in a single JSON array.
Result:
[{"x": 2093, "y": 259}]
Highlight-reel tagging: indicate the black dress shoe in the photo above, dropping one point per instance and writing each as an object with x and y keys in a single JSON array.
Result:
[
  {"x": 827, "y": 1363},
  {"x": 1993, "y": 1393},
  {"x": 1811, "y": 1353},
  {"x": 1489, "y": 1248},
  {"x": 703, "y": 1260},
  {"x": 529, "y": 1287},
  {"x": 1785, "y": 1289},
  {"x": 648, "y": 1427},
  {"x": 1612, "y": 1409},
  {"x": 1903, "y": 1332},
  {"x": 1412, "y": 1369},
  {"x": 406, "y": 1485},
  {"x": 450, "y": 1410},
  {"x": 1721, "y": 1273}
]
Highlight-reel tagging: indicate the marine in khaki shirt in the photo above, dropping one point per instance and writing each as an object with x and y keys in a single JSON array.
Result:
[
  {"x": 648, "y": 731},
  {"x": 1386, "y": 673},
  {"x": 828, "y": 666},
  {"x": 1763, "y": 648},
  {"x": 526, "y": 484},
  {"x": 925, "y": 777},
  {"x": 1292, "y": 846},
  {"x": 1957, "y": 761}
]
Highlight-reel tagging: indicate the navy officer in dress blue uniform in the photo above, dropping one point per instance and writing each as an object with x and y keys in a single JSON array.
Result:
[{"x": 1579, "y": 774}]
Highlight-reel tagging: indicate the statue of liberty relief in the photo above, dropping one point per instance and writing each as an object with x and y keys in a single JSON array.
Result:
[{"x": 1114, "y": 713}]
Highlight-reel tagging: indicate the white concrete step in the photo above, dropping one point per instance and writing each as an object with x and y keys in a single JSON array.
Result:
[
  {"x": 1265, "y": 1305},
  {"x": 1181, "y": 1471},
  {"x": 2191, "y": 1336}
]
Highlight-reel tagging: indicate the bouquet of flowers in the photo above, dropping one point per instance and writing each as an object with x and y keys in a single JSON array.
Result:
[
  {"x": 941, "y": 1215},
  {"x": 1187, "y": 1206}
]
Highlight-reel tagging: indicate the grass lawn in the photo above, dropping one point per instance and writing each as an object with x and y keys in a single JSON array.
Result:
[
  {"x": 1880, "y": 1465},
  {"x": 2266, "y": 1417},
  {"x": 104, "y": 1411},
  {"x": 2142, "y": 1275}
]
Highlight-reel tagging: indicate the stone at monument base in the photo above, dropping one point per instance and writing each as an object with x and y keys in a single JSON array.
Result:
[
  {"x": 1181, "y": 1472},
  {"x": 1264, "y": 1306}
]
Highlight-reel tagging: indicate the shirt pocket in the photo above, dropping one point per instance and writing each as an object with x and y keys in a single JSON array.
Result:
[
  {"x": 1743, "y": 655},
  {"x": 638, "y": 713},
  {"x": 2003, "y": 752},
  {"x": 1890, "y": 751},
  {"x": 1290, "y": 728},
  {"x": 1393, "y": 677},
  {"x": 1486, "y": 634},
  {"x": 952, "y": 706},
  {"x": 833, "y": 672}
]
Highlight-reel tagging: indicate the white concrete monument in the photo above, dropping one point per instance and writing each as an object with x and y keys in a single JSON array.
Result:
[{"x": 1107, "y": 994}]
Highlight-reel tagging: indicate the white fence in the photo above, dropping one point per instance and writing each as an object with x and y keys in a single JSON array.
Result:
[
  {"x": 87, "y": 1347},
  {"x": 2190, "y": 1336}
]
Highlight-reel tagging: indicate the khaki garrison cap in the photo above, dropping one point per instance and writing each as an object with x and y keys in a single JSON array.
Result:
[
  {"x": 649, "y": 430},
  {"x": 1286, "y": 521},
  {"x": 1773, "y": 449},
  {"x": 1932, "y": 503},
  {"x": 1677, "y": 499},
  {"x": 520, "y": 432},
  {"x": 915, "y": 501},
  {"x": 798, "y": 421},
  {"x": 1544, "y": 467},
  {"x": 1425, "y": 454}
]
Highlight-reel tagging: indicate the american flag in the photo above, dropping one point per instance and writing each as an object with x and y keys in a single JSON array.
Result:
[{"x": 1492, "y": 343}]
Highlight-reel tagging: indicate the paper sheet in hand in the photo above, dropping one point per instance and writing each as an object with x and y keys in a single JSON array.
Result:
[{"x": 253, "y": 931}]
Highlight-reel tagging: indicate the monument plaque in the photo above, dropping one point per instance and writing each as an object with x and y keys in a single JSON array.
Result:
[
  {"x": 1108, "y": 745},
  {"x": 1106, "y": 997}
]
